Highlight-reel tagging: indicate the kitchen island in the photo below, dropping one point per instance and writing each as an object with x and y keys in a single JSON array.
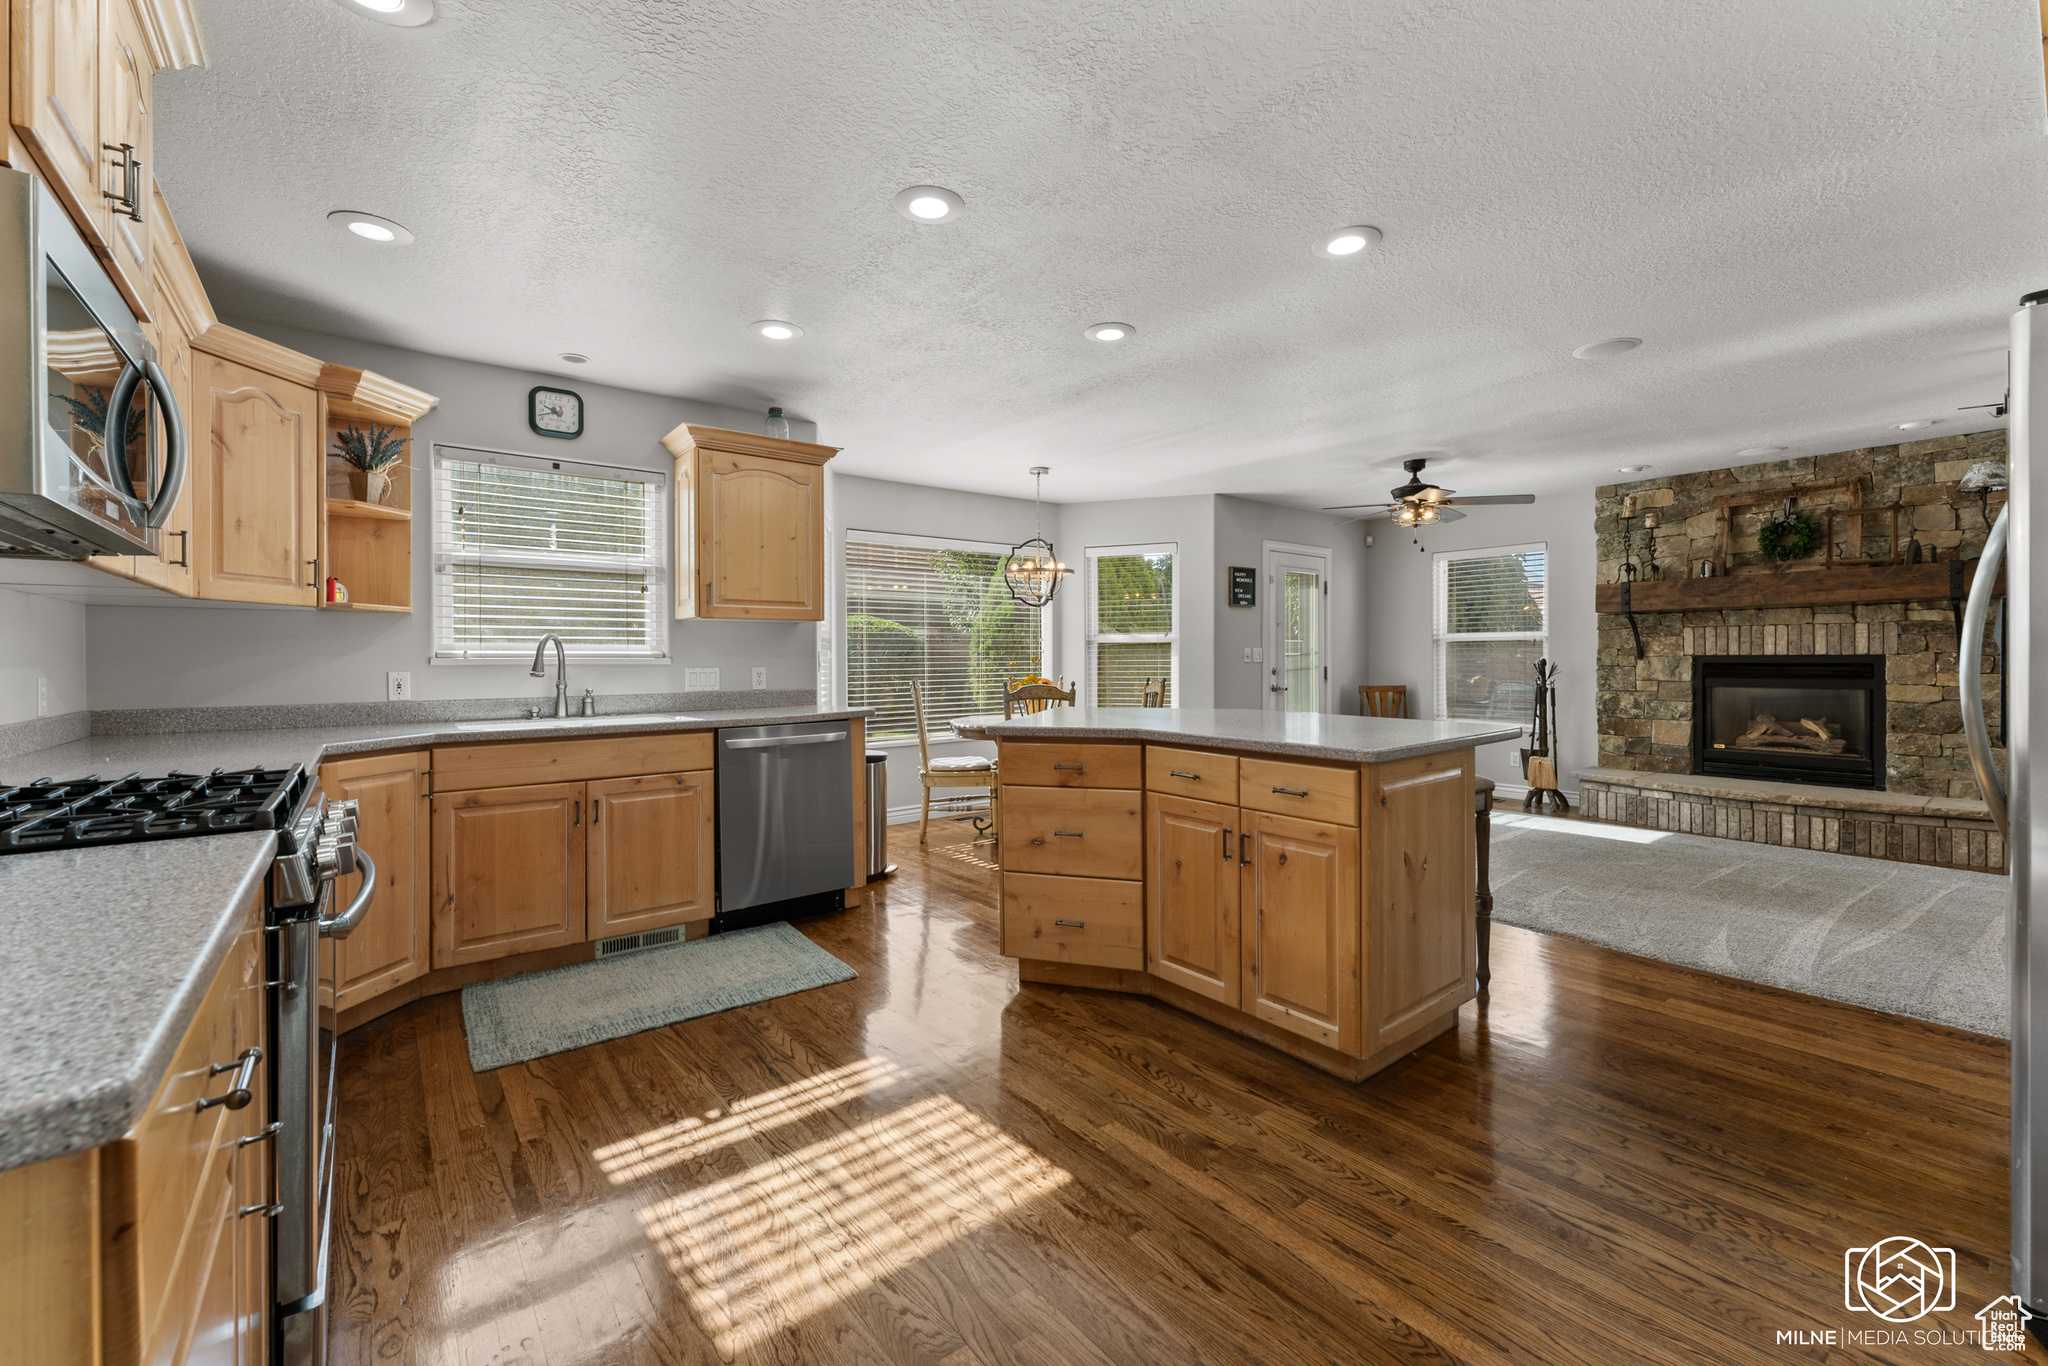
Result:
[{"x": 1302, "y": 879}]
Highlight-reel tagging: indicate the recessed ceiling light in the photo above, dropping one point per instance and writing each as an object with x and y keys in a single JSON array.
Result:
[
  {"x": 1759, "y": 452},
  {"x": 1109, "y": 332},
  {"x": 574, "y": 358},
  {"x": 1613, "y": 346},
  {"x": 404, "y": 13},
  {"x": 1631, "y": 469},
  {"x": 1916, "y": 424},
  {"x": 1347, "y": 241},
  {"x": 774, "y": 329},
  {"x": 371, "y": 227},
  {"x": 929, "y": 204}
]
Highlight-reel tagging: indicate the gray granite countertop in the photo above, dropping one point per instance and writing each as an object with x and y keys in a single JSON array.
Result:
[
  {"x": 109, "y": 951},
  {"x": 1310, "y": 735},
  {"x": 108, "y": 954}
]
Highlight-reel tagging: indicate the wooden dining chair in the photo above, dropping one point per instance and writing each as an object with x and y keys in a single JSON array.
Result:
[
  {"x": 1030, "y": 699},
  {"x": 959, "y": 779},
  {"x": 1382, "y": 699},
  {"x": 1155, "y": 692}
]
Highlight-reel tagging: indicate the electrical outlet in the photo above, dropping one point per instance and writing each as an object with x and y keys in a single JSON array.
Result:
[
  {"x": 700, "y": 680},
  {"x": 398, "y": 687},
  {"x": 42, "y": 695},
  {"x": 760, "y": 676}
]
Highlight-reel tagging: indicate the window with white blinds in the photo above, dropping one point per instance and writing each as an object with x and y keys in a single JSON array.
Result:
[
  {"x": 1131, "y": 623},
  {"x": 1491, "y": 628},
  {"x": 525, "y": 545},
  {"x": 933, "y": 611}
]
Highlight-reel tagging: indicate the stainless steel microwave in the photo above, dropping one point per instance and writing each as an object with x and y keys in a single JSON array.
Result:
[{"x": 92, "y": 445}]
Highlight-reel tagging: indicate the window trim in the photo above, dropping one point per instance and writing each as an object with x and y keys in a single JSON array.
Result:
[
  {"x": 1440, "y": 603},
  {"x": 1090, "y": 555},
  {"x": 943, "y": 731},
  {"x": 440, "y": 556}
]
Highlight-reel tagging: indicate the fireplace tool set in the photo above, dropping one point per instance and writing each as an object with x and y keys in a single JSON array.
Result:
[{"x": 1538, "y": 764}]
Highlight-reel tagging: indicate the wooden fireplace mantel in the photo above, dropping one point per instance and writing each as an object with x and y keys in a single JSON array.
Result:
[{"x": 1841, "y": 586}]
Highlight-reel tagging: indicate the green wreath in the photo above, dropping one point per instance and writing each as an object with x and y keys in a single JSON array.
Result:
[{"x": 1788, "y": 538}]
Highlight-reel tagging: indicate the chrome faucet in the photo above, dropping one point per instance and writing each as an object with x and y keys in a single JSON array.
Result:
[{"x": 540, "y": 670}]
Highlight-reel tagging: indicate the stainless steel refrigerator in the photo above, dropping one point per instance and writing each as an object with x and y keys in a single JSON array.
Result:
[{"x": 2021, "y": 533}]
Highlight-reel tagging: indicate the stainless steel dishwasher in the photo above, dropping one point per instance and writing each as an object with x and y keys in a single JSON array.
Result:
[{"x": 785, "y": 813}]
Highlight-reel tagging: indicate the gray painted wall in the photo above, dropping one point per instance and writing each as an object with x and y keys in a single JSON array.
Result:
[
  {"x": 1399, "y": 638},
  {"x": 41, "y": 640},
  {"x": 1242, "y": 529},
  {"x": 171, "y": 657}
]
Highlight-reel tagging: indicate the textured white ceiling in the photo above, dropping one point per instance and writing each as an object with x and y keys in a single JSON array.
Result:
[{"x": 1817, "y": 214}]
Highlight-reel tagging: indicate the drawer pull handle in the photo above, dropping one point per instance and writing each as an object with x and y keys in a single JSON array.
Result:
[
  {"x": 1071, "y": 768},
  {"x": 267, "y": 1211},
  {"x": 1291, "y": 792},
  {"x": 1176, "y": 773},
  {"x": 1068, "y": 834},
  {"x": 1072, "y": 924},
  {"x": 237, "y": 1096},
  {"x": 270, "y": 1132}
]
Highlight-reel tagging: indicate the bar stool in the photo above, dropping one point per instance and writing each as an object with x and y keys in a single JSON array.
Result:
[{"x": 1482, "y": 908}]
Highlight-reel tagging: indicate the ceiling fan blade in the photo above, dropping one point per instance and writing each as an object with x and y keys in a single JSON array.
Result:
[
  {"x": 1432, "y": 494},
  {"x": 1347, "y": 507},
  {"x": 1493, "y": 499},
  {"x": 1448, "y": 514}
]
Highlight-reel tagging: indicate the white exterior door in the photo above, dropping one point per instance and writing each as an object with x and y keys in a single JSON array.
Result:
[{"x": 1297, "y": 627}]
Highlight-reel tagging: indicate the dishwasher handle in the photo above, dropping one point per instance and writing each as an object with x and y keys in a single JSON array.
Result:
[{"x": 784, "y": 741}]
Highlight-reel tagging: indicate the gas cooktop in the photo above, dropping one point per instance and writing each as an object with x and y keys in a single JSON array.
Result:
[{"x": 87, "y": 812}]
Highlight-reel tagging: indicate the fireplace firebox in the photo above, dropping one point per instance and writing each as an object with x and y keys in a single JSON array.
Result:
[{"x": 1790, "y": 718}]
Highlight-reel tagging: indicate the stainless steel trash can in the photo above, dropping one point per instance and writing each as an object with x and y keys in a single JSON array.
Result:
[{"x": 878, "y": 816}]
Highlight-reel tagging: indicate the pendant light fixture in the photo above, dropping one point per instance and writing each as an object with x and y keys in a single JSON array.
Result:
[{"x": 1032, "y": 572}]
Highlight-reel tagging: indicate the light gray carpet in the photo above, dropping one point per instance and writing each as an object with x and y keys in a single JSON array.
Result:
[
  {"x": 516, "y": 1019},
  {"x": 1898, "y": 937}
]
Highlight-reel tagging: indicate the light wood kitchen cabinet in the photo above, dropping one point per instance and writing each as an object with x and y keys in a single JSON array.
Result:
[
  {"x": 256, "y": 455},
  {"x": 1191, "y": 897},
  {"x": 750, "y": 525},
  {"x": 1421, "y": 890},
  {"x": 127, "y": 156},
  {"x": 509, "y": 872},
  {"x": 55, "y": 68},
  {"x": 651, "y": 860},
  {"x": 394, "y": 820},
  {"x": 1299, "y": 952}
]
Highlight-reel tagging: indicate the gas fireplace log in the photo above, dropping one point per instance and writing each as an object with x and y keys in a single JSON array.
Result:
[
  {"x": 1807, "y": 743},
  {"x": 1824, "y": 728}
]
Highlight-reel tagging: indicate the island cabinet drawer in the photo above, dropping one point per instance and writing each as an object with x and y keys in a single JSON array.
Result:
[
  {"x": 1096, "y": 921},
  {"x": 162, "y": 1178},
  {"x": 1080, "y": 833},
  {"x": 1034, "y": 764},
  {"x": 1192, "y": 773},
  {"x": 522, "y": 763},
  {"x": 1314, "y": 792}
]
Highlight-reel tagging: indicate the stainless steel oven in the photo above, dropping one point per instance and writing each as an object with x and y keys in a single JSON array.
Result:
[{"x": 92, "y": 445}]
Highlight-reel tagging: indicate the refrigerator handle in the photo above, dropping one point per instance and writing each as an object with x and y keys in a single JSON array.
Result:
[{"x": 1970, "y": 674}]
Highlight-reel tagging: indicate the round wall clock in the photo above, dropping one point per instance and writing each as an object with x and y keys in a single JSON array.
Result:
[{"x": 554, "y": 412}]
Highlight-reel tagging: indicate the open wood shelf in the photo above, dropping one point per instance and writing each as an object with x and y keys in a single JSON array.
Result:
[
  {"x": 1844, "y": 585},
  {"x": 362, "y": 606},
  {"x": 350, "y": 507}
]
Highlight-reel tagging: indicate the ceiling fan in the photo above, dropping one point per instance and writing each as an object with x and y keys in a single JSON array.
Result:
[{"x": 1417, "y": 503}]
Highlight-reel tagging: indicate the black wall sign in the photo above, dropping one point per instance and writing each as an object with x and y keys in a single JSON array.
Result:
[{"x": 1243, "y": 586}]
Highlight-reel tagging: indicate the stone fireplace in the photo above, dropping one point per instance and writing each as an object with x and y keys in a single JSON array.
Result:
[
  {"x": 1790, "y": 718},
  {"x": 1871, "y": 615}
]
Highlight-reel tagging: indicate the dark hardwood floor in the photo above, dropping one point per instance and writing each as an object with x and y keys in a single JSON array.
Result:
[{"x": 1615, "y": 1160}]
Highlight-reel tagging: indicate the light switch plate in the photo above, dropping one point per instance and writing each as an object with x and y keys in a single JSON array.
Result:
[
  {"x": 1247, "y": 654},
  {"x": 700, "y": 680},
  {"x": 1258, "y": 654},
  {"x": 398, "y": 687},
  {"x": 760, "y": 676}
]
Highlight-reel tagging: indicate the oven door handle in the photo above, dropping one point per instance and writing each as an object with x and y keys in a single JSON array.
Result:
[{"x": 343, "y": 925}]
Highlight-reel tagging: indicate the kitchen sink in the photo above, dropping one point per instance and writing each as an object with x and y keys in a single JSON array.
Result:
[{"x": 571, "y": 722}]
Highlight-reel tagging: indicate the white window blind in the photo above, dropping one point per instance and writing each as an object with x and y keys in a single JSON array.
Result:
[
  {"x": 1132, "y": 619},
  {"x": 936, "y": 612},
  {"x": 1491, "y": 628},
  {"x": 525, "y": 545}
]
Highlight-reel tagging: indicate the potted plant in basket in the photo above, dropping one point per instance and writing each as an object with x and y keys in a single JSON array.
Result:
[{"x": 371, "y": 457}]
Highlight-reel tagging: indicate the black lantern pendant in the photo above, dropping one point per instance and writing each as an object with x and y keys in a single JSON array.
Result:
[{"x": 1032, "y": 572}]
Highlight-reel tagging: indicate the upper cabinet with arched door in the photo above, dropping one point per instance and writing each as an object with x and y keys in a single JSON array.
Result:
[{"x": 750, "y": 525}]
